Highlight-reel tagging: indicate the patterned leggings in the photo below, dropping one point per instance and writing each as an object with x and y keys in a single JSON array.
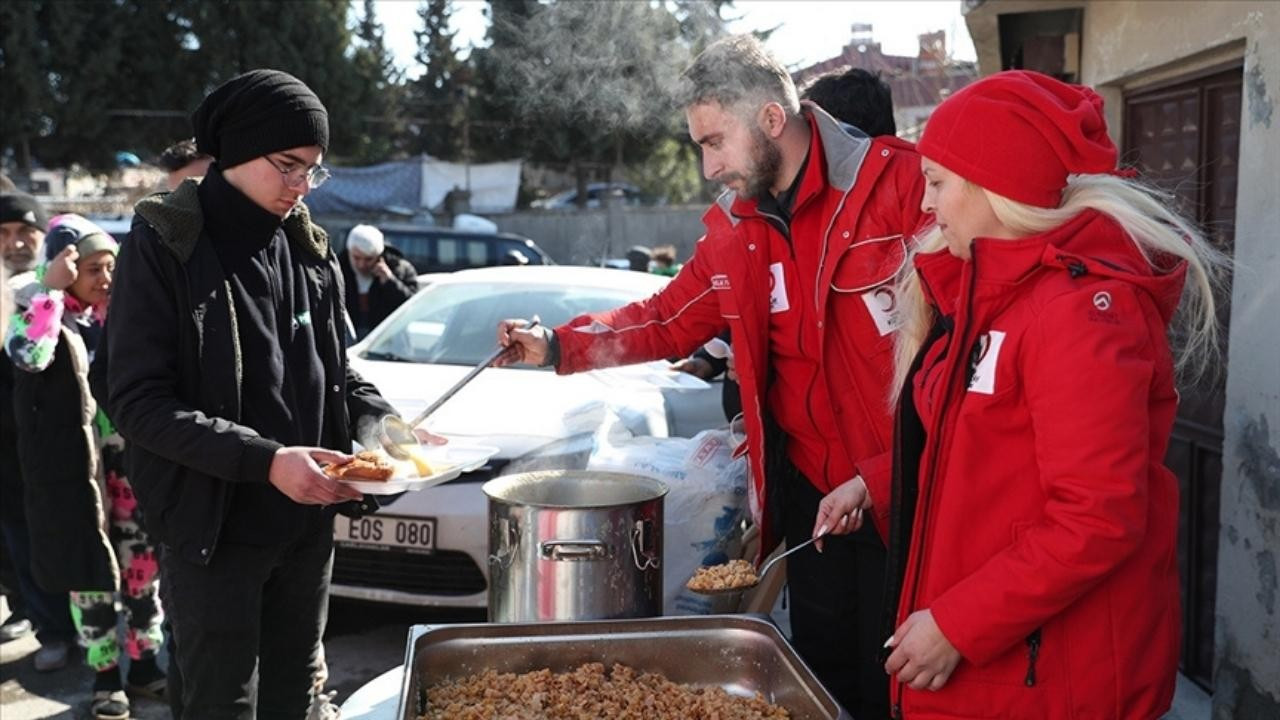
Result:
[{"x": 95, "y": 613}]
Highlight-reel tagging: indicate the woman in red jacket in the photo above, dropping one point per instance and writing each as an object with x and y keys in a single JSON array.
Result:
[{"x": 1033, "y": 542}]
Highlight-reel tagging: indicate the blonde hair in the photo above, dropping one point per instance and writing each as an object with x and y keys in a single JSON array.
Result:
[{"x": 1144, "y": 213}]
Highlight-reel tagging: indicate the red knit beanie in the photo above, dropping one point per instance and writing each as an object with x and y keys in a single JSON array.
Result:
[{"x": 1019, "y": 134}]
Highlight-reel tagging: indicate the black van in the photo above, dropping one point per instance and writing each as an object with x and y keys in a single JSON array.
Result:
[{"x": 440, "y": 249}]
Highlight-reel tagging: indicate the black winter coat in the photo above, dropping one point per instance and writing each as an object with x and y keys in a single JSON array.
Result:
[
  {"x": 58, "y": 454},
  {"x": 23, "y": 286},
  {"x": 10, "y": 470},
  {"x": 173, "y": 379}
]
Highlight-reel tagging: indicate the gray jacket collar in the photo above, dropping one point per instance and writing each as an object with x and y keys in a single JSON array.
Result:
[{"x": 178, "y": 220}]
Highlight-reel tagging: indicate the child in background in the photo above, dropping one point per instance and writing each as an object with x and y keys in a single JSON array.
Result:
[{"x": 663, "y": 261}]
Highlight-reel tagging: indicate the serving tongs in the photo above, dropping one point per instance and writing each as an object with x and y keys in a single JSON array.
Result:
[{"x": 394, "y": 433}]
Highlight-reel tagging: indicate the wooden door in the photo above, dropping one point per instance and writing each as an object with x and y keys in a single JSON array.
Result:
[{"x": 1186, "y": 138}]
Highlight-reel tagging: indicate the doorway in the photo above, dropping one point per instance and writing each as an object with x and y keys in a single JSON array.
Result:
[{"x": 1185, "y": 137}]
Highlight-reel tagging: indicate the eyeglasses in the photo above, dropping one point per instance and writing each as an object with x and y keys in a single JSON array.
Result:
[{"x": 313, "y": 175}]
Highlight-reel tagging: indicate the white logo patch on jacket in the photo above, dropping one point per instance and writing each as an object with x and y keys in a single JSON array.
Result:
[
  {"x": 778, "y": 289},
  {"x": 882, "y": 303},
  {"x": 986, "y": 356}
]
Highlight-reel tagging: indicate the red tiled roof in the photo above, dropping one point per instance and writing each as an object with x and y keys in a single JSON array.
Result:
[{"x": 915, "y": 81}]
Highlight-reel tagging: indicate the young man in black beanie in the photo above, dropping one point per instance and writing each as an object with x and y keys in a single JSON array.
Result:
[{"x": 226, "y": 373}]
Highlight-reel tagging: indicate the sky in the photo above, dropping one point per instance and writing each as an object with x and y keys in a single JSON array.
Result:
[{"x": 810, "y": 30}]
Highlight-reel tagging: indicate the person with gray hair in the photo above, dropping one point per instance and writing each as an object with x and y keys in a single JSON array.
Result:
[
  {"x": 377, "y": 277},
  {"x": 798, "y": 261}
]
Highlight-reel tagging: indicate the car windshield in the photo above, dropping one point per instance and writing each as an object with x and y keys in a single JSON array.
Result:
[{"x": 456, "y": 323}]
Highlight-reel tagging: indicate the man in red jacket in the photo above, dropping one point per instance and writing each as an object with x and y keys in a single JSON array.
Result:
[{"x": 797, "y": 261}]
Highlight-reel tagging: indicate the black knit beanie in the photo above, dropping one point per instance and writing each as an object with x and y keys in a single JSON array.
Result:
[
  {"x": 258, "y": 113},
  {"x": 20, "y": 207}
]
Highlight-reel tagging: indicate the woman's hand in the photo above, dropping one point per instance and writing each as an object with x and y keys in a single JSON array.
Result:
[
  {"x": 922, "y": 656},
  {"x": 840, "y": 512}
]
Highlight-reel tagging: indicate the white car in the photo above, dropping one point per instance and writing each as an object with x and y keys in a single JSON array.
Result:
[{"x": 431, "y": 547}]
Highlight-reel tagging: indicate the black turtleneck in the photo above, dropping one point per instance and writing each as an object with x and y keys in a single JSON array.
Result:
[
  {"x": 282, "y": 391},
  {"x": 784, "y": 205}
]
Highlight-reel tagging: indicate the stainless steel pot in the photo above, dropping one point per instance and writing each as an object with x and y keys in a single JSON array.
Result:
[{"x": 574, "y": 545}]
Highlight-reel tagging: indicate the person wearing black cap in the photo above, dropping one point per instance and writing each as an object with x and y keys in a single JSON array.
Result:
[
  {"x": 638, "y": 258},
  {"x": 226, "y": 373},
  {"x": 22, "y": 228}
]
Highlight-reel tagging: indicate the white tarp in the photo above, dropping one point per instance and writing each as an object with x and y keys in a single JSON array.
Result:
[
  {"x": 493, "y": 185},
  {"x": 416, "y": 183}
]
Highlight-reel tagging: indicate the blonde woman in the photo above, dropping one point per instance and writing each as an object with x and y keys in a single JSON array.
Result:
[{"x": 1033, "y": 539}]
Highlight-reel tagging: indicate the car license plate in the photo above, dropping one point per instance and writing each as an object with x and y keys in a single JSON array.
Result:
[{"x": 387, "y": 531}]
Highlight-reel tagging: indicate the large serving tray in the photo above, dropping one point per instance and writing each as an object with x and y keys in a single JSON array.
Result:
[{"x": 741, "y": 653}]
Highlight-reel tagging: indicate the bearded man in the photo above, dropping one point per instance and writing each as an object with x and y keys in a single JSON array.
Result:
[{"x": 798, "y": 261}]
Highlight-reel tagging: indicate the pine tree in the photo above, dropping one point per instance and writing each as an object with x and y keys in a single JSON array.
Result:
[
  {"x": 591, "y": 83},
  {"x": 498, "y": 131},
  {"x": 438, "y": 99},
  {"x": 22, "y": 81},
  {"x": 307, "y": 40},
  {"x": 379, "y": 130},
  {"x": 84, "y": 80},
  {"x": 701, "y": 21},
  {"x": 83, "y": 66},
  {"x": 152, "y": 109}
]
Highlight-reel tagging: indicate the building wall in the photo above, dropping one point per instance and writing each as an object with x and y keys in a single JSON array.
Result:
[{"x": 1127, "y": 46}]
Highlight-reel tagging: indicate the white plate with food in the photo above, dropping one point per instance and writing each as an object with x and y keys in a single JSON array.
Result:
[{"x": 375, "y": 473}]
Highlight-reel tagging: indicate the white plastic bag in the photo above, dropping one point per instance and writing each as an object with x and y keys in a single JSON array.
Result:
[{"x": 703, "y": 511}]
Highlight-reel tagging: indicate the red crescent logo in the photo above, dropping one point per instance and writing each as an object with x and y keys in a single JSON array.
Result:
[{"x": 887, "y": 300}]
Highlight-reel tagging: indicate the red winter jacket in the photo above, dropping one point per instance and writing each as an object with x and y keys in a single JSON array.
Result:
[
  {"x": 870, "y": 199},
  {"x": 1043, "y": 536}
]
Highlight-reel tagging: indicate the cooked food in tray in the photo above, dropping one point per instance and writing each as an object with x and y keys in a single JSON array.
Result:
[
  {"x": 733, "y": 575},
  {"x": 365, "y": 465},
  {"x": 377, "y": 466},
  {"x": 590, "y": 691}
]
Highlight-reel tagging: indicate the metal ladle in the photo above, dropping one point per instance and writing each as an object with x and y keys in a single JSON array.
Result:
[{"x": 394, "y": 432}]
